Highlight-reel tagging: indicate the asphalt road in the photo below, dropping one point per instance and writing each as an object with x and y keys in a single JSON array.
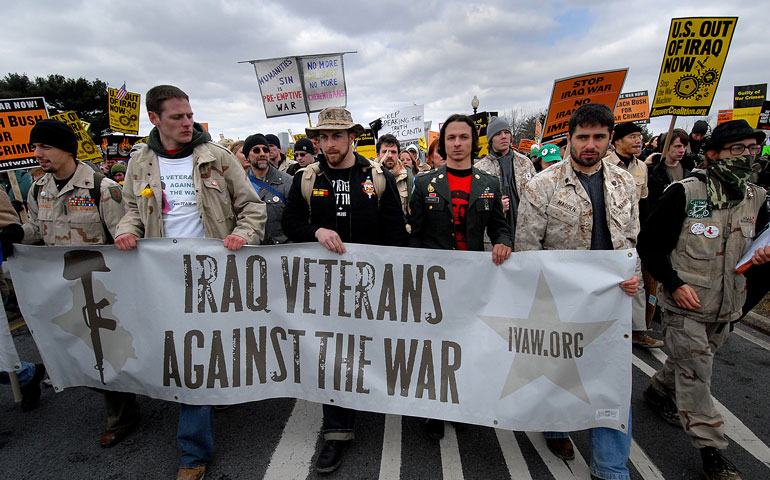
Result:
[{"x": 278, "y": 438}]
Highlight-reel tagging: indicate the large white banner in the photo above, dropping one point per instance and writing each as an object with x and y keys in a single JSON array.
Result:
[{"x": 540, "y": 343}]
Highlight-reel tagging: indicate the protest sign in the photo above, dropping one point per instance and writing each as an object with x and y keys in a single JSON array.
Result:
[
  {"x": 481, "y": 120},
  {"x": 539, "y": 343},
  {"x": 118, "y": 147},
  {"x": 692, "y": 65},
  {"x": 124, "y": 112},
  {"x": 747, "y": 102},
  {"x": 764, "y": 117},
  {"x": 366, "y": 145},
  {"x": 406, "y": 124},
  {"x": 724, "y": 116},
  {"x": 569, "y": 93},
  {"x": 301, "y": 84},
  {"x": 86, "y": 147},
  {"x": 633, "y": 107},
  {"x": 525, "y": 145},
  {"x": 17, "y": 117}
]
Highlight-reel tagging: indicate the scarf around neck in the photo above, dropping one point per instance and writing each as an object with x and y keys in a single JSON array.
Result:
[
  {"x": 727, "y": 179},
  {"x": 200, "y": 135}
]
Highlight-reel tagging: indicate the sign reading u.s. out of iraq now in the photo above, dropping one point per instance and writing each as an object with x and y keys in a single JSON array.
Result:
[
  {"x": 570, "y": 93},
  {"x": 542, "y": 342},
  {"x": 303, "y": 84},
  {"x": 17, "y": 117},
  {"x": 124, "y": 111},
  {"x": 695, "y": 55}
]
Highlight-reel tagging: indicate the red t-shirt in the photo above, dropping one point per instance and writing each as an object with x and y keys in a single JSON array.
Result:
[{"x": 460, "y": 190}]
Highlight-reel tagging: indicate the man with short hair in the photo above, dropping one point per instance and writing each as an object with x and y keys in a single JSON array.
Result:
[
  {"x": 388, "y": 149},
  {"x": 118, "y": 172},
  {"x": 585, "y": 203},
  {"x": 353, "y": 200},
  {"x": 271, "y": 185},
  {"x": 277, "y": 156},
  {"x": 304, "y": 154},
  {"x": 669, "y": 168},
  {"x": 73, "y": 205},
  {"x": 691, "y": 243},
  {"x": 627, "y": 139},
  {"x": 512, "y": 169},
  {"x": 211, "y": 198}
]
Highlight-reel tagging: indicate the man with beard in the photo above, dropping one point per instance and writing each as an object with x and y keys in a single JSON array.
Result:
[
  {"x": 627, "y": 139},
  {"x": 691, "y": 243},
  {"x": 271, "y": 185},
  {"x": 388, "y": 149},
  {"x": 585, "y": 203},
  {"x": 511, "y": 168},
  {"x": 304, "y": 154},
  {"x": 669, "y": 167},
  {"x": 210, "y": 198},
  {"x": 342, "y": 198}
]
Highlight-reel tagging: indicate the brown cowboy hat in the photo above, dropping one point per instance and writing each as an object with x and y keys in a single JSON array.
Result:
[{"x": 334, "y": 118}]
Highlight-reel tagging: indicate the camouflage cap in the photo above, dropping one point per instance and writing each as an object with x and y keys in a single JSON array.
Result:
[{"x": 334, "y": 118}]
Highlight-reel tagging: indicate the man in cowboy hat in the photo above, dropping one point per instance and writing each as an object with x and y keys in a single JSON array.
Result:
[
  {"x": 342, "y": 198},
  {"x": 691, "y": 243}
]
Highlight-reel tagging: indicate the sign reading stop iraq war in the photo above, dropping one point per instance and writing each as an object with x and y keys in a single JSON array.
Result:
[
  {"x": 695, "y": 55},
  {"x": 539, "y": 343},
  {"x": 86, "y": 147},
  {"x": 570, "y": 93},
  {"x": 301, "y": 84},
  {"x": 124, "y": 111},
  {"x": 17, "y": 117},
  {"x": 633, "y": 107}
]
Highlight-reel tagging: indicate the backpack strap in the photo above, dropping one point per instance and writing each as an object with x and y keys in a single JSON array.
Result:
[
  {"x": 380, "y": 183},
  {"x": 309, "y": 174}
]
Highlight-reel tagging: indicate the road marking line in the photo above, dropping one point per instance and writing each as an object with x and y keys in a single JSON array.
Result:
[
  {"x": 559, "y": 468},
  {"x": 451, "y": 464},
  {"x": 291, "y": 458},
  {"x": 739, "y": 330},
  {"x": 643, "y": 464},
  {"x": 514, "y": 460},
  {"x": 390, "y": 464},
  {"x": 17, "y": 325},
  {"x": 734, "y": 427}
]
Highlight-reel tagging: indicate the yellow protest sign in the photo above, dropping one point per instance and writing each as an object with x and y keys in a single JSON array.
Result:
[
  {"x": 365, "y": 144},
  {"x": 86, "y": 147},
  {"x": 695, "y": 55},
  {"x": 124, "y": 111}
]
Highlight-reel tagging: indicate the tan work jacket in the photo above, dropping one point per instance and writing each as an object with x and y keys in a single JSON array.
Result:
[
  {"x": 637, "y": 168},
  {"x": 227, "y": 203}
]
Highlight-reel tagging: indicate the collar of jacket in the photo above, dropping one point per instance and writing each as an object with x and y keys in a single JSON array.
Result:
[
  {"x": 82, "y": 178},
  {"x": 272, "y": 177},
  {"x": 359, "y": 160}
]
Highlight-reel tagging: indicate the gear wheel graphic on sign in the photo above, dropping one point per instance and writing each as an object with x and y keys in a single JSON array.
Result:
[
  {"x": 709, "y": 76},
  {"x": 124, "y": 120},
  {"x": 687, "y": 86},
  {"x": 89, "y": 149}
]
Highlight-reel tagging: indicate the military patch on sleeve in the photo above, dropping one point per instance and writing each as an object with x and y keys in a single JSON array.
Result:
[
  {"x": 698, "y": 208},
  {"x": 116, "y": 193}
]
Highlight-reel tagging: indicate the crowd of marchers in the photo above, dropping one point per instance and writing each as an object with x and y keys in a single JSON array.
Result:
[{"x": 691, "y": 205}]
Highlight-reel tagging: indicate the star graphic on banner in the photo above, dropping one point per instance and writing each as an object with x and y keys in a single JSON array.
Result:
[{"x": 537, "y": 338}]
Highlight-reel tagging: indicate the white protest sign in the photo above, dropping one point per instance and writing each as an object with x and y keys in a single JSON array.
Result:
[
  {"x": 324, "y": 81},
  {"x": 406, "y": 124},
  {"x": 540, "y": 343},
  {"x": 280, "y": 86}
]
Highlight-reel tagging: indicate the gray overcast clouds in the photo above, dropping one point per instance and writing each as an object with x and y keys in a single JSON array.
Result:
[{"x": 439, "y": 54}]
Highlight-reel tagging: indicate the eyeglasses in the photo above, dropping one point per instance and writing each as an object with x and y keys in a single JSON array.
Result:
[
  {"x": 739, "y": 148},
  {"x": 260, "y": 149},
  {"x": 300, "y": 154}
]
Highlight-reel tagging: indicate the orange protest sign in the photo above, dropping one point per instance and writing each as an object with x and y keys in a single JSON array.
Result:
[
  {"x": 525, "y": 145},
  {"x": 17, "y": 117},
  {"x": 569, "y": 93},
  {"x": 724, "y": 116},
  {"x": 633, "y": 107}
]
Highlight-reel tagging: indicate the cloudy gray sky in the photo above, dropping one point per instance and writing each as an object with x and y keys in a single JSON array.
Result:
[{"x": 436, "y": 53}]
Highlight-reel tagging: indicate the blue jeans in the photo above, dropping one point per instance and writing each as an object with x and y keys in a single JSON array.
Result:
[
  {"x": 24, "y": 374},
  {"x": 195, "y": 434},
  {"x": 609, "y": 451}
]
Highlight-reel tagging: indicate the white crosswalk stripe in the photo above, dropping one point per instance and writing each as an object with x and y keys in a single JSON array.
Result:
[
  {"x": 643, "y": 464},
  {"x": 559, "y": 468},
  {"x": 451, "y": 465},
  {"x": 390, "y": 465},
  {"x": 514, "y": 460},
  {"x": 291, "y": 458}
]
